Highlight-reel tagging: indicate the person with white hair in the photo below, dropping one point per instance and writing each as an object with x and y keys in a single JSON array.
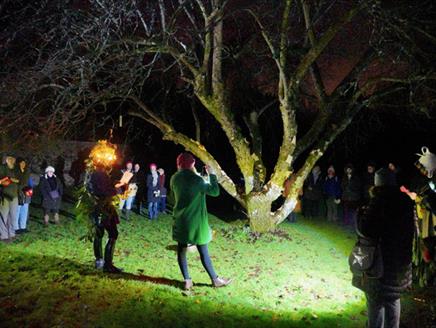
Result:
[{"x": 51, "y": 191}]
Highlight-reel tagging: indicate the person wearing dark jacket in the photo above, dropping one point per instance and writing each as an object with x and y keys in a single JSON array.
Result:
[
  {"x": 51, "y": 191},
  {"x": 9, "y": 181},
  {"x": 313, "y": 193},
  {"x": 388, "y": 219},
  {"x": 153, "y": 192},
  {"x": 368, "y": 181},
  {"x": 332, "y": 191},
  {"x": 139, "y": 179},
  {"x": 351, "y": 195},
  {"x": 162, "y": 205},
  {"x": 104, "y": 217},
  {"x": 25, "y": 192}
]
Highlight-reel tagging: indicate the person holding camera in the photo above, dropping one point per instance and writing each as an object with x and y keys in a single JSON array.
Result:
[{"x": 191, "y": 225}]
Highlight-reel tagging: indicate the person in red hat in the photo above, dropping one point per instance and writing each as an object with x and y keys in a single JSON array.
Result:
[{"x": 191, "y": 226}]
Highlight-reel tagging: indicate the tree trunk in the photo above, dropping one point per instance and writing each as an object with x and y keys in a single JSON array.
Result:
[{"x": 259, "y": 214}]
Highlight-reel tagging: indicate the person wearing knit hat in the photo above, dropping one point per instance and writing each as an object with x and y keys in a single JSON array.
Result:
[
  {"x": 51, "y": 191},
  {"x": 185, "y": 161},
  {"x": 191, "y": 226},
  {"x": 332, "y": 192}
]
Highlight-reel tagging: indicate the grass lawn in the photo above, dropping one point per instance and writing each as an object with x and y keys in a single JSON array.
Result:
[{"x": 297, "y": 277}]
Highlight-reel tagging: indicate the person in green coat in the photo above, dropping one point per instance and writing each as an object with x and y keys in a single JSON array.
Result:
[{"x": 191, "y": 225}]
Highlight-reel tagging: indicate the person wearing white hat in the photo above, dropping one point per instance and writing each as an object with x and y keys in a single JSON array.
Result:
[{"x": 51, "y": 190}]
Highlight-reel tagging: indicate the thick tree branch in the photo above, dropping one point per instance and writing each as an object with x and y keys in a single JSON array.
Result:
[
  {"x": 191, "y": 145},
  {"x": 315, "y": 51}
]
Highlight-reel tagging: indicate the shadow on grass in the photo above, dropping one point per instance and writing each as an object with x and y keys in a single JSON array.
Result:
[{"x": 57, "y": 286}]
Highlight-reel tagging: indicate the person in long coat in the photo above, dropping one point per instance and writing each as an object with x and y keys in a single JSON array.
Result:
[
  {"x": 191, "y": 225},
  {"x": 388, "y": 219},
  {"x": 51, "y": 190}
]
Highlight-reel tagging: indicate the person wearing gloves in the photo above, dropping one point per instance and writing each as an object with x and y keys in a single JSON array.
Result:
[
  {"x": 51, "y": 191},
  {"x": 191, "y": 226}
]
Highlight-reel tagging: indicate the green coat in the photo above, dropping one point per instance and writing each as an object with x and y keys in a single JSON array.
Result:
[{"x": 191, "y": 225}]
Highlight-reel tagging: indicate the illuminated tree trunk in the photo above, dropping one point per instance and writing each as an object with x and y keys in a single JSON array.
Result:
[{"x": 259, "y": 214}]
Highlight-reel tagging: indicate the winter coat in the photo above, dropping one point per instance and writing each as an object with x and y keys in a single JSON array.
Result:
[
  {"x": 389, "y": 218},
  {"x": 351, "y": 189},
  {"x": 332, "y": 187},
  {"x": 140, "y": 180},
  {"x": 163, "y": 190},
  {"x": 25, "y": 182},
  {"x": 191, "y": 224},
  {"x": 152, "y": 191},
  {"x": 368, "y": 183},
  {"x": 101, "y": 185},
  {"x": 313, "y": 190},
  {"x": 48, "y": 186},
  {"x": 9, "y": 192}
]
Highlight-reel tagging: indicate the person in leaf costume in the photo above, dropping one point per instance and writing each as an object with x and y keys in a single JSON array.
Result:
[
  {"x": 97, "y": 202},
  {"x": 424, "y": 195}
]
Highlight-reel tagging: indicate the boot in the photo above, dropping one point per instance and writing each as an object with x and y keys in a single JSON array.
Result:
[
  {"x": 98, "y": 253},
  {"x": 127, "y": 215},
  {"x": 46, "y": 219},
  {"x": 220, "y": 282},
  {"x": 188, "y": 284},
  {"x": 108, "y": 257},
  {"x": 56, "y": 218}
]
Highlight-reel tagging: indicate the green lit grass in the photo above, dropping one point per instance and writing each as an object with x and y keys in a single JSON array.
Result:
[{"x": 48, "y": 280}]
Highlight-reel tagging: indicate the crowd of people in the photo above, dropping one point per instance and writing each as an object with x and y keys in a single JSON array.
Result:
[
  {"x": 145, "y": 192},
  {"x": 135, "y": 189},
  {"x": 191, "y": 227},
  {"x": 387, "y": 216},
  {"x": 328, "y": 195}
]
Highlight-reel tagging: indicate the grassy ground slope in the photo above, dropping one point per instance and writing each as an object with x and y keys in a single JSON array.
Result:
[{"x": 297, "y": 277}]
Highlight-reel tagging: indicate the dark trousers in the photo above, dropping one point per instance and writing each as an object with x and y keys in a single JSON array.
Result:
[
  {"x": 350, "y": 212},
  {"x": 204, "y": 256},
  {"x": 383, "y": 313},
  {"x": 312, "y": 208},
  {"x": 111, "y": 227}
]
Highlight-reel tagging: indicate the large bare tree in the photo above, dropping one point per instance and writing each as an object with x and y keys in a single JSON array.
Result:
[{"x": 68, "y": 62}]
